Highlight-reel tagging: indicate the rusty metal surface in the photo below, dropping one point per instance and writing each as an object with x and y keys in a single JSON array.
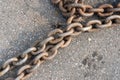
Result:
[{"x": 23, "y": 24}]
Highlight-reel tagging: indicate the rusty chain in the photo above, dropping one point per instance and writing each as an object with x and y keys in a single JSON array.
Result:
[
  {"x": 47, "y": 49},
  {"x": 75, "y": 7}
]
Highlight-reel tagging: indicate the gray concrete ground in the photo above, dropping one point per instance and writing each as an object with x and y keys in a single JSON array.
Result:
[{"x": 90, "y": 56}]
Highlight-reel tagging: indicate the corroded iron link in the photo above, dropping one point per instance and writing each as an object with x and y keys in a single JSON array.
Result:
[{"x": 47, "y": 49}]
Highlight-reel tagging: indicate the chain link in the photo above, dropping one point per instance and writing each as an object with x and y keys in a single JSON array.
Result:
[{"x": 47, "y": 49}]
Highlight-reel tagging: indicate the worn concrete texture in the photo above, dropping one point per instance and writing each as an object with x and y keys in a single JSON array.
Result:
[{"x": 90, "y": 56}]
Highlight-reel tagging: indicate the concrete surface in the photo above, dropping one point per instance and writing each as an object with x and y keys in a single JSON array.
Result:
[{"x": 90, "y": 56}]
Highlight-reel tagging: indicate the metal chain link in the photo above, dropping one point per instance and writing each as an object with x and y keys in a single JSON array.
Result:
[{"x": 61, "y": 38}]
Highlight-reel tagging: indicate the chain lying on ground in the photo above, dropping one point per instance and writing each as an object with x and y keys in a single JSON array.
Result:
[
  {"x": 61, "y": 38},
  {"x": 74, "y": 7}
]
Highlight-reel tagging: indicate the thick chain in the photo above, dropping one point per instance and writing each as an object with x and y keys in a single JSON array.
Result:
[
  {"x": 74, "y": 7},
  {"x": 47, "y": 49}
]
